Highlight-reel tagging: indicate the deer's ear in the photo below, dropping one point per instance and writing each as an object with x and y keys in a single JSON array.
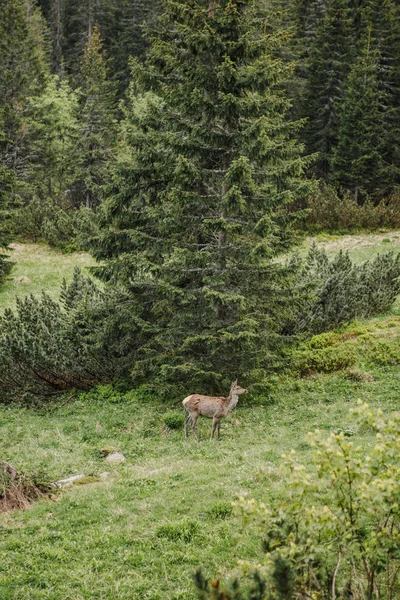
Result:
[{"x": 234, "y": 382}]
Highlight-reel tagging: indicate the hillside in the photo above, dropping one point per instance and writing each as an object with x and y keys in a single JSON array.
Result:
[{"x": 142, "y": 530}]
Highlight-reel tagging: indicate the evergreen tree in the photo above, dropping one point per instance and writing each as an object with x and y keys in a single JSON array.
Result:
[
  {"x": 53, "y": 130},
  {"x": 96, "y": 124},
  {"x": 196, "y": 213},
  {"x": 23, "y": 60},
  {"x": 7, "y": 184},
  {"x": 383, "y": 17},
  {"x": 329, "y": 61},
  {"x": 357, "y": 163},
  {"x": 119, "y": 22}
]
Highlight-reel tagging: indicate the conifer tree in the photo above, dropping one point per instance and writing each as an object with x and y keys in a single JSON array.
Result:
[
  {"x": 196, "y": 213},
  {"x": 383, "y": 17},
  {"x": 95, "y": 120},
  {"x": 53, "y": 130},
  {"x": 23, "y": 72},
  {"x": 357, "y": 163},
  {"x": 329, "y": 61}
]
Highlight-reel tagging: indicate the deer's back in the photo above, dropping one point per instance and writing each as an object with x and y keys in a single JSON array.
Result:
[{"x": 206, "y": 406}]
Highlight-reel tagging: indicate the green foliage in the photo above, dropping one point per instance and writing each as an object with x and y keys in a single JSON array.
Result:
[
  {"x": 357, "y": 163},
  {"x": 338, "y": 526},
  {"x": 340, "y": 291},
  {"x": 184, "y": 531},
  {"x": 93, "y": 148},
  {"x": 327, "y": 67},
  {"x": 53, "y": 130},
  {"x": 43, "y": 219},
  {"x": 23, "y": 56},
  {"x": 383, "y": 352},
  {"x": 46, "y": 347},
  {"x": 328, "y": 211},
  {"x": 174, "y": 420},
  {"x": 221, "y": 510},
  {"x": 196, "y": 209},
  {"x": 333, "y": 358}
]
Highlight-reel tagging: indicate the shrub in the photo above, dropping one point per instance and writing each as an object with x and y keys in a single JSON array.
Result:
[
  {"x": 67, "y": 228},
  {"x": 323, "y": 360},
  {"x": 48, "y": 347},
  {"x": 338, "y": 528},
  {"x": 329, "y": 211},
  {"x": 339, "y": 291},
  {"x": 383, "y": 352},
  {"x": 174, "y": 420}
]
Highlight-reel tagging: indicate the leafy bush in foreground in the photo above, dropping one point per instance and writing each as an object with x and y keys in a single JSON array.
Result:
[{"x": 338, "y": 528}]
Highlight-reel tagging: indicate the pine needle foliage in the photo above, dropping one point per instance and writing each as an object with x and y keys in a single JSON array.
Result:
[
  {"x": 48, "y": 347},
  {"x": 196, "y": 213},
  {"x": 357, "y": 162},
  {"x": 328, "y": 65},
  {"x": 340, "y": 291}
]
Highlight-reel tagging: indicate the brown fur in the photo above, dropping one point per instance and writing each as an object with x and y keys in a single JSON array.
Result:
[{"x": 212, "y": 407}]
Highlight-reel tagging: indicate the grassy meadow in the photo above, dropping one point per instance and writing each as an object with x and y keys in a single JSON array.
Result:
[{"x": 140, "y": 531}]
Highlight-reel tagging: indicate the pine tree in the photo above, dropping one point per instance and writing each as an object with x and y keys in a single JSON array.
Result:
[
  {"x": 357, "y": 163},
  {"x": 23, "y": 60},
  {"x": 383, "y": 17},
  {"x": 329, "y": 61},
  {"x": 53, "y": 131},
  {"x": 95, "y": 125},
  {"x": 196, "y": 213}
]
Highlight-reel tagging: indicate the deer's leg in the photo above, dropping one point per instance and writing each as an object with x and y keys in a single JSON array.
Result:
[
  {"x": 193, "y": 421},
  {"x": 187, "y": 423},
  {"x": 215, "y": 425},
  {"x": 218, "y": 428}
]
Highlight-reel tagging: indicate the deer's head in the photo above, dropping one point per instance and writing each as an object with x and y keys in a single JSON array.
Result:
[{"x": 237, "y": 389}]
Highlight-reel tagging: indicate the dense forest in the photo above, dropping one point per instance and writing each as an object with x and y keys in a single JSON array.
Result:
[{"x": 187, "y": 145}]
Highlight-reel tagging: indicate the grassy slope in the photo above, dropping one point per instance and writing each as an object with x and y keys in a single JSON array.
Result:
[
  {"x": 38, "y": 267},
  {"x": 104, "y": 540}
]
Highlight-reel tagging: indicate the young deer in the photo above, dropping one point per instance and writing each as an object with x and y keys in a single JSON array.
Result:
[{"x": 213, "y": 407}]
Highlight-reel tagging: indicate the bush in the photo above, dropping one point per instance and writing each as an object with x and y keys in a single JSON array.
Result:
[
  {"x": 339, "y": 291},
  {"x": 18, "y": 490},
  {"x": 174, "y": 420},
  {"x": 337, "y": 529},
  {"x": 67, "y": 228},
  {"x": 325, "y": 360},
  {"x": 330, "y": 212},
  {"x": 48, "y": 347}
]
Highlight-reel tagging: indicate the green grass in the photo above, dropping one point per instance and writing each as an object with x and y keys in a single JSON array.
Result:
[
  {"x": 361, "y": 247},
  {"x": 141, "y": 532},
  {"x": 38, "y": 267}
]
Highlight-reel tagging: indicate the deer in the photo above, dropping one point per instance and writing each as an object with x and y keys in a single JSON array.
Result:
[{"x": 212, "y": 407}]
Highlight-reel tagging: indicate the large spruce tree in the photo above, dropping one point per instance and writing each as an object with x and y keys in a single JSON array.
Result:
[
  {"x": 357, "y": 163},
  {"x": 95, "y": 122},
  {"x": 197, "y": 210},
  {"x": 328, "y": 64}
]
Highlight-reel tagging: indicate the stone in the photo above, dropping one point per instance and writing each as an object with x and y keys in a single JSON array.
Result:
[
  {"x": 115, "y": 457},
  {"x": 68, "y": 481}
]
